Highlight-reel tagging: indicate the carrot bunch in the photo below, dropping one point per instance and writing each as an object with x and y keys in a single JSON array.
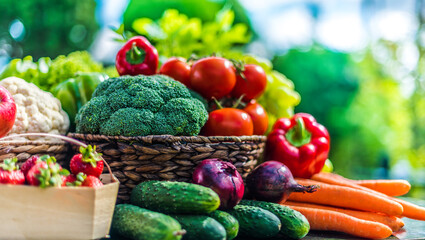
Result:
[{"x": 363, "y": 208}]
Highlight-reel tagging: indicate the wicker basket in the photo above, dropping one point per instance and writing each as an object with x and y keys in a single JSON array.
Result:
[
  {"x": 25, "y": 149},
  {"x": 164, "y": 157}
]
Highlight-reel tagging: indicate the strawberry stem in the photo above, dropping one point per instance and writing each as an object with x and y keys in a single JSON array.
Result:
[
  {"x": 52, "y": 175},
  {"x": 9, "y": 164},
  {"x": 89, "y": 155}
]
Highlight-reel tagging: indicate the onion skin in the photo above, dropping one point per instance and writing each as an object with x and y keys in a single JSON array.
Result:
[
  {"x": 272, "y": 181},
  {"x": 223, "y": 178}
]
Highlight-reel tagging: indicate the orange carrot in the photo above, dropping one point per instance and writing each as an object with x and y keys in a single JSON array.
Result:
[
  {"x": 321, "y": 219},
  {"x": 393, "y": 222},
  {"x": 388, "y": 187},
  {"x": 335, "y": 179},
  {"x": 347, "y": 197},
  {"x": 410, "y": 210}
]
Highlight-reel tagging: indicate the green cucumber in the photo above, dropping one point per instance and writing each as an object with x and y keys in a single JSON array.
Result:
[
  {"x": 294, "y": 224},
  {"x": 175, "y": 197},
  {"x": 255, "y": 222},
  {"x": 228, "y": 221},
  {"x": 199, "y": 227},
  {"x": 141, "y": 224}
]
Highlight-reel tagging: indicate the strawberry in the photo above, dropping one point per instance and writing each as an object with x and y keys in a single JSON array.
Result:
[
  {"x": 30, "y": 162},
  {"x": 92, "y": 181},
  {"x": 46, "y": 173},
  {"x": 10, "y": 173},
  {"x": 74, "y": 180},
  {"x": 88, "y": 162},
  {"x": 68, "y": 180}
]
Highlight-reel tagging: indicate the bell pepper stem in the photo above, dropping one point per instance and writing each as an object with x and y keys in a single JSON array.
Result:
[
  {"x": 298, "y": 135},
  {"x": 135, "y": 55}
]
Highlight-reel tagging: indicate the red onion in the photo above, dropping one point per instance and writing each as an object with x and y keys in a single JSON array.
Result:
[
  {"x": 272, "y": 181},
  {"x": 223, "y": 178}
]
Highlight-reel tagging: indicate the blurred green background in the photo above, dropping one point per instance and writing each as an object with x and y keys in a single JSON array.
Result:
[{"x": 358, "y": 65}]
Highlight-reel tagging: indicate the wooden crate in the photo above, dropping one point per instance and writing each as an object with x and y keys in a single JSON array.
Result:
[{"x": 28, "y": 212}]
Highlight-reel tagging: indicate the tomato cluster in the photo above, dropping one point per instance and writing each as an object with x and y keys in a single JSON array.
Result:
[{"x": 218, "y": 78}]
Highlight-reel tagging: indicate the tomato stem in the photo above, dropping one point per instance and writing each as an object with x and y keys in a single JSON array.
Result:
[
  {"x": 239, "y": 101},
  {"x": 240, "y": 68},
  {"x": 219, "y": 106}
]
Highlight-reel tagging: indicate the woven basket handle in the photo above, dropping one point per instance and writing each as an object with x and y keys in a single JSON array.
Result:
[{"x": 64, "y": 138}]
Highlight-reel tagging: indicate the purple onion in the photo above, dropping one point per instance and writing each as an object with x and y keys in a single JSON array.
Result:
[
  {"x": 223, "y": 178},
  {"x": 272, "y": 181}
]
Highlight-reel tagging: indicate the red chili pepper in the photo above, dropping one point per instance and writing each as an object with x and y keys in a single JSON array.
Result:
[
  {"x": 136, "y": 57},
  {"x": 300, "y": 143}
]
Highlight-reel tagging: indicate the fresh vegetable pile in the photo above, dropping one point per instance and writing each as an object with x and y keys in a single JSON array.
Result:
[
  {"x": 213, "y": 95},
  {"x": 214, "y": 78},
  {"x": 237, "y": 85},
  {"x": 178, "y": 210},
  {"x": 178, "y": 35}
]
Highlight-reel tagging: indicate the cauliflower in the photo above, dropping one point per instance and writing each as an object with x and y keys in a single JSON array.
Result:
[{"x": 37, "y": 111}]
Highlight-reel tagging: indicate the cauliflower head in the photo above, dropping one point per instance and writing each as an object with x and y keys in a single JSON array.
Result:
[
  {"x": 140, "y": 106},
  {"x": 37, "y": 111}
]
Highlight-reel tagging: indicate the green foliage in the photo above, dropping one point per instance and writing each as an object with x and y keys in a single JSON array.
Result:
[
  {"x": 205, "y": 10},
  {"x": 52, "y": 27},
  {"x": 27, "y": 69},
  {"x": 47, "y": 73},
  {"x": 381, "y": 123},
  {"x": 175, "y": 34},
  {"x": 142, "y": 105}
]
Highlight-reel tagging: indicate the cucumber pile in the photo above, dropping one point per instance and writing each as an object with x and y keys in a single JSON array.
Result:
[{"x": 165, "y": 210}]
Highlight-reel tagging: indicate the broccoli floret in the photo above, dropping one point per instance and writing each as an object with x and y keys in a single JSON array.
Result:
[
  {"x": 128, "y": 122},
  {"x": 142, "y": 105},
  {"x": 188, "y": 116},
  {"x": 199, "y": 97},
  {"x": 92, "y": 115}
]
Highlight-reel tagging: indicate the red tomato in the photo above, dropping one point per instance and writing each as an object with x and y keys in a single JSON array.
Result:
[
  {"x": 178, "y": 69},
  {"x": 212, "y": 77},
  {"x": 253, "y": 85},
  {"x": 228, "y": 122},
  {"x": 259, "y": 117}
]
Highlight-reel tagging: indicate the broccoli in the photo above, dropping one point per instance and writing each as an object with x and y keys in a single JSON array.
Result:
[
  {"x": 140, "y": 106},
  {"x": 199, "y": 97}
]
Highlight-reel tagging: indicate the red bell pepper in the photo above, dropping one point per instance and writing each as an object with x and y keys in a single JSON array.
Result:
[
  {"x": 136, "y": 57},
  {"x": 300, "y": 143}
]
